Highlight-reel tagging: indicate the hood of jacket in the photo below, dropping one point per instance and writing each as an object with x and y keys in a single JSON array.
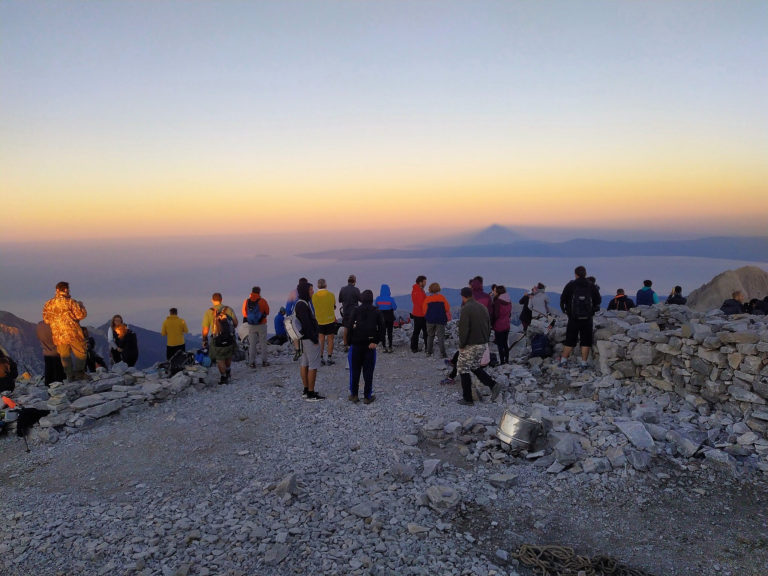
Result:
[{"x": 385, "y": 291}]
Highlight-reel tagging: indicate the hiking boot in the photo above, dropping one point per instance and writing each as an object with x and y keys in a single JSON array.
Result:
[
  {"x": 314, "y": 397},
  {"x": 224, "y": 379},
  {"x": 304, "y": 393},
  {"x": 562, "y": 363},
  {"x": 369, "y": 400},
  {"x": 330, "y": 362},
  {"x": 322, "y": 362},
  {"x": 446, "y": 381},
  {"x": 466, "y": 402},
  {"x": 353, "y": 398}
]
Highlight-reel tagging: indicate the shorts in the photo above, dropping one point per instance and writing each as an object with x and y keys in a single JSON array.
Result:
[
  {"x": 579, "y": 331},
  {"x": 328, "y": 329},
  {"x": 310, "y": 355},
  {"x": 217, "y": 353}
]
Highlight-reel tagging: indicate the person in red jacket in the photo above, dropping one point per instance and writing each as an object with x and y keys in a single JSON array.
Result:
[
  {"x": 419, "y": 322},
  {"x": 502, "y": 310}
]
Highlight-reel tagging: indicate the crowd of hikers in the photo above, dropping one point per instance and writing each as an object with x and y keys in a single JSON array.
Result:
[{"x": 311, "y": 321}]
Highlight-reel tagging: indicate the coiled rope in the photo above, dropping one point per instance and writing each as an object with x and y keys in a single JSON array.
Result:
[{"x": 563, "y": 561}]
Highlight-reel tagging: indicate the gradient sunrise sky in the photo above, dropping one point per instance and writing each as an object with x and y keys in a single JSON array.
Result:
[{"x": 151, "y": 118}]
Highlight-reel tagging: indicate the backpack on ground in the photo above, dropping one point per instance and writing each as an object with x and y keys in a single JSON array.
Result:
[
  {"x": 293, "y": 324},
  {"x": 540, "y": 346},
  {"x": 581, "y": 302},
  {"x": 179, "y": 361},
  {"x": 223, "y": 327},
  {"x": 254, "y": 315}
]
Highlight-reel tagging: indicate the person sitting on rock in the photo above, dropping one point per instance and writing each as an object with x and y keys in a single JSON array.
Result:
[
  {"x": 734, "y": 304},
  {"x": 621, "y": 301},
  {"x": 758, "y": 307},
  {"x": 92, "y": 359},
  {"x": 676, "y": 296},
  {"x": 127, "y": 344},
  {"x": 646, "y": 296},
  {"x": 280, "y": 337}
]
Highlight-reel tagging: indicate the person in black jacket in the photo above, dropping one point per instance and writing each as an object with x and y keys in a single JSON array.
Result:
[
  {"x": 366, "y": 331},
  {"x": 580, "y": 300},
  {"x": 676, "y": 297},
  {"x": 621, "y": 301},
  {"x": 734, "y": 304},
  {"x": 310, "y": 341},
  {"x": 127, "y": 344}
]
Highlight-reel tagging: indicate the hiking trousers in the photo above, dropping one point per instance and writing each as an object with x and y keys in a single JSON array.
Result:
[
  {"x": 419, "y": 327},
  {"x": 257, "y": 332},
  {"x": 66, "y": 352},
  {"x": 361, "y": 359},
  {"x": 436, "y": 330}
]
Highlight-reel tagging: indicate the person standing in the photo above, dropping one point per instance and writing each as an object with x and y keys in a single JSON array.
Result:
[
  {"x": 474, "y": 335},
  {"x": 53, "y": 370},
  {"x": 417, "y": 313},
  {"x": 366, "y": 332},
  {"x": 437, "y": 313},
  {"x": 324, "y": 302},
  {"x": 387, "y": 305},
  {"x": 476, "y": 284},
  {"x": 349, "y": 298},
  {"x": 220, "y": 321},
  {"x": 309, "y": 343},
  {"x": 255, "y": 312},
  {"x": 502, "y": 312},
  {"x": 174, "y": 329},
  {"x": 63, "y": 313},
  {"x": 580, "y": 300}
]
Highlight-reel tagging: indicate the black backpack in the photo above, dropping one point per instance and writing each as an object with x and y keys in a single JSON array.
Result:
[
  {"x": 223, "y": 327},
  {"x": 540, "y": 346},
  {"x": 581, "y": 302}
]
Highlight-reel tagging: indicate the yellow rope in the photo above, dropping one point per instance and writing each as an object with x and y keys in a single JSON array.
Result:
[{"x": 563, "y": 561}]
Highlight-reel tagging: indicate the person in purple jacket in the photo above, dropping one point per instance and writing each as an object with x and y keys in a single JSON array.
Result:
[{"x": 500, "y": 319}]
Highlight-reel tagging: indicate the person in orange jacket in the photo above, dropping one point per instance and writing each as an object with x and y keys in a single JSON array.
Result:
[{"x": 437, "y": 313}]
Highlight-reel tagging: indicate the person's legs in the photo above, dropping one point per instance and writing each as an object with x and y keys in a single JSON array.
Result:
[
  {"x": 252, "y": 336},
  {"x": 65, "y": 354},
  {"x": 502, "y": 343},
  {"x": 486, "y": 379},
  {"x": 321, "y": 341},
  {"x": 330, "y": 338},
  {"x": 355, "y": 367},
  {"x": 389, "y": 327},
  {"x": 430, "y": 337},
  {"x": 440, "y": 335},
  {"x": 369, "y": 365},
  {"x": 80, "y": 352},
  {"x": 466, "y": 388},
  {"x": 261, "y": 331},
  {"x": 415, "y": 334},
  {"x": 571, "y": 337}
]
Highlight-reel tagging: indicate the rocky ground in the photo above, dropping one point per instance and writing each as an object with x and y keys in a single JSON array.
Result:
[{"x": 250, "y": 479}]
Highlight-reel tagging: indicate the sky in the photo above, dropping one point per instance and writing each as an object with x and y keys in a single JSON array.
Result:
[{"x": 355, "y": 119}]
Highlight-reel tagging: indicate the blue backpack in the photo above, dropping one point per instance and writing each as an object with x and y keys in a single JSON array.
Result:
[{"x": 254, "y": 314}]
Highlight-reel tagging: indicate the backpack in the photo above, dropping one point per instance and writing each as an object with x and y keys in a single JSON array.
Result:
[
  {"x": 581, "y": 302},
  {"x": 254, "y": 314},
  {"x": 540, "y": 346},
  {"x": 223, "y": 327},
  {"x": 293, "y": 324}
]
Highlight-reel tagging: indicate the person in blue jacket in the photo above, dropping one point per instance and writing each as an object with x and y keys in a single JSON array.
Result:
[
  {"x": 280, "y": 337},
  {"x": 387, "y": 305},
  {"x": 646, "y": 296}
]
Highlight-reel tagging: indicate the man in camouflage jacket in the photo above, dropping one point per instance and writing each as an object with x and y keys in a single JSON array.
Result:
[{"x": 63, "y": 314}]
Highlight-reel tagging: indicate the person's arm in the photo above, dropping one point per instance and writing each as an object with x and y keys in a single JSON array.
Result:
[
  {"x": 184, "y": 329},
  {"x": 164, "y": 329},
  {"x": 78, "y": 310}
]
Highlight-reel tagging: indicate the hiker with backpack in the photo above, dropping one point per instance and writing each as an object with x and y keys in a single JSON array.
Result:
[
  {"x": 580, "y": 300},
  {"x": 255, "y": 312},
  {"x": 621, "y": 301},
  {"x": 309, "y": 342},
  {"x": 365, "y": 333},
  {"x": 219, "y": 321}
]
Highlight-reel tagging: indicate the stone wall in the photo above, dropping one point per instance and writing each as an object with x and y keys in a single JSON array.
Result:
[{"x": 717, "y": 364}]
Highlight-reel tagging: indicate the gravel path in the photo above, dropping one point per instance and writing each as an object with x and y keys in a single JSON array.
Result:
[{"x": 249, "y": 479}]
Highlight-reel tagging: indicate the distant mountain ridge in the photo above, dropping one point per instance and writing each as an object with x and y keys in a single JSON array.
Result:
[{"x": 750, "y": 249}]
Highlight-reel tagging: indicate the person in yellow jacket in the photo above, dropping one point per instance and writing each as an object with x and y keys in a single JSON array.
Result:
[{"x": 174, "y": 329}]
